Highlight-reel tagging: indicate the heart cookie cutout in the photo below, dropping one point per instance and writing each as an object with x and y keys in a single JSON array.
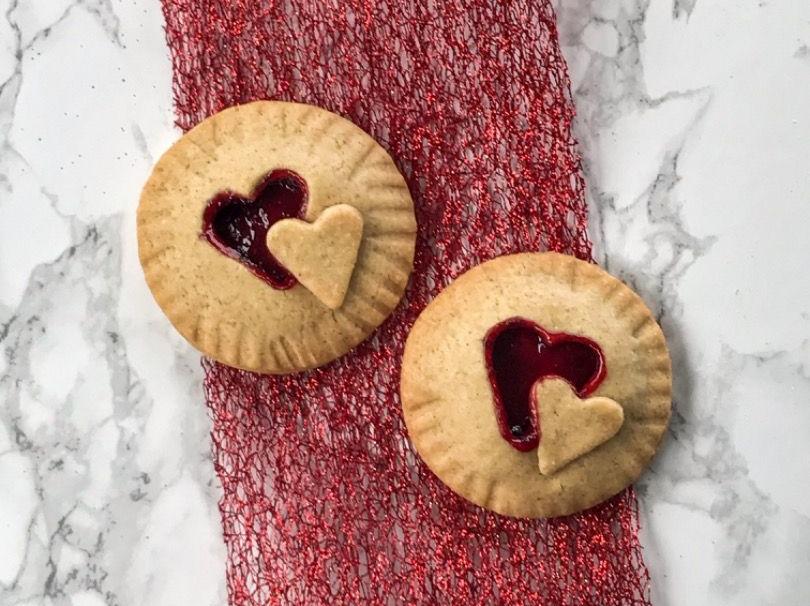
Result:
[
  {"x": 518, "y": 353},
  {"x": 237, "y": 225},
  {"x": 571, "y": 426},
  {"x": 321, "y": 255}
]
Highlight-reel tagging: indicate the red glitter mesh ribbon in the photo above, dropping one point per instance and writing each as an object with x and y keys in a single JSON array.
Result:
[{"x": 324, "y": 500}]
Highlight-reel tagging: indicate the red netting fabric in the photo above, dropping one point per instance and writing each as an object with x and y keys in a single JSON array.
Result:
[{"x": 324, "y": 500}]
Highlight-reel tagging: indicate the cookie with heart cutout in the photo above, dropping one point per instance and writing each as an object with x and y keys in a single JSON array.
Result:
[
  {"x": 536, "y": 385},
  {"x": 276, "y": 236}
]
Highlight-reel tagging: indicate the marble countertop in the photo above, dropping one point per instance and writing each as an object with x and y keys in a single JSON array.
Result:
[{"x": 694, "y": 124}]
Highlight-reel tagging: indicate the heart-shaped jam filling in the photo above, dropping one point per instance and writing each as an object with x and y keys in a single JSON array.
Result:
[
  {"x": 237, "y": 226},
  {"x": 518, "y": 352}
]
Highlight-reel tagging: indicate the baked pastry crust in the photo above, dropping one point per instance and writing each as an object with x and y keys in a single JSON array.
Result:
[
  {"x": 216, "y": 302},
  {"x": 321, "y": 255},
  {"x": 447, "y": 398}
]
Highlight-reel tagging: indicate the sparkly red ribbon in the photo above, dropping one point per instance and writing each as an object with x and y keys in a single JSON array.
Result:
[{"x": 324, "y": 500}]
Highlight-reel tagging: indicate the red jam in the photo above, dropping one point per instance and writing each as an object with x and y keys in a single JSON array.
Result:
[
  {"x": 237, "y": 226},
  {"x": 518, "y": 352}
]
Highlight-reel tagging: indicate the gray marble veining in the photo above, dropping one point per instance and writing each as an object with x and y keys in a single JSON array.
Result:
[{"x": 715, "y": 532}]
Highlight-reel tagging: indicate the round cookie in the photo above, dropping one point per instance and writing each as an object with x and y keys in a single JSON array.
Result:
[
  {"x": 575, "y": 347},
  {"x": 264, "y": 174}
]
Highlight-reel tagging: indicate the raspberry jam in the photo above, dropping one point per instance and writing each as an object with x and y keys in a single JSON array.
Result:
[
  {"x": 237, "y": 226},
  {"x": 518, "y": 353}
]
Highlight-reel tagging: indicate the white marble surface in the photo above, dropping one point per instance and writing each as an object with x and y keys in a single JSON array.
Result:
[{"x": 694, "y": 122}]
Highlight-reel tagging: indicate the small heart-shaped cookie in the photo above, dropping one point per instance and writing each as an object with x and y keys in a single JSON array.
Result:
[
  {"x": 321, "y": 255},
  {"x": 570, "y": 426}
]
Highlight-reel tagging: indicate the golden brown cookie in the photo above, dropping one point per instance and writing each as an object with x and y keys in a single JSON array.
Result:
[
  {"x": 528, "y": 337},
  {"x": 321, "y": 255},
  {"x": 572, "y": 426},
  {"x": 203, "y": 224}
]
